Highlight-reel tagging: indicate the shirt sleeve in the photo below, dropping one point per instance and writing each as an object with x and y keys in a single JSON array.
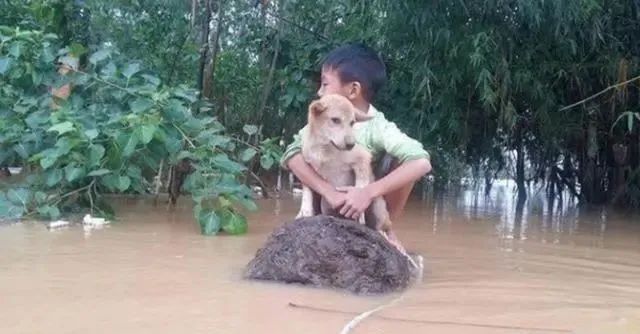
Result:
[
  {"x": 294, "y": 148},
  {"x": 390, "y": 139}
]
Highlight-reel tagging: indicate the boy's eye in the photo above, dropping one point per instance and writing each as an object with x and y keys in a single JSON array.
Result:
[{"x": 335, "y": 120}]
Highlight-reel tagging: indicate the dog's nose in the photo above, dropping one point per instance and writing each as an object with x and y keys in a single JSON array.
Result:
[{"x": 350, "y": 145}]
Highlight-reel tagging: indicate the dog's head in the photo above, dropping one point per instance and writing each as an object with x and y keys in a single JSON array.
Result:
[{"x": 331, "y": 120}]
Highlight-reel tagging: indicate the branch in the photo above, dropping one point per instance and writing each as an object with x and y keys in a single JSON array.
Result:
[
  {"x": 600, "y": 93},
  {"x": 320, "y": 36},
  {"x": 265, "y": 194},
  {"x": 184, "y": 135},
  {"x": 73, "y": 192},
  {"x": 434, "y": 322},
  {"x": 96, "y": 78}
]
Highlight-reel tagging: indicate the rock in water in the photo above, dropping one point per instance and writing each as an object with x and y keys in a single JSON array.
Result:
[{"x": 324, "y": 251}]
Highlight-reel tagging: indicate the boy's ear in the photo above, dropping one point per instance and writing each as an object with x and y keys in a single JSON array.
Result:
[
  {"x": 355, "y": 90},
  {"x": 317, "y": 107}
]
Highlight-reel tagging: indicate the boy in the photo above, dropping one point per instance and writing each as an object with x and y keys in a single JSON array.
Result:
[{"x": 356, "y": 72}]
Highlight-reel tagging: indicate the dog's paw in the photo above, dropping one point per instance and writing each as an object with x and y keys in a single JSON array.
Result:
[
  {"x": 304, "y": 213},
  {"x": 361, "y": 220}
]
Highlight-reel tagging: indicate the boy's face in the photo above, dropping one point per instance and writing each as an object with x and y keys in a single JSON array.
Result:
[{"x": 330, "y": 83}]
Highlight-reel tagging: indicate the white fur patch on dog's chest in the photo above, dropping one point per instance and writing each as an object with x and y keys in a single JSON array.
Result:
[{"x": 334, "y": 167}]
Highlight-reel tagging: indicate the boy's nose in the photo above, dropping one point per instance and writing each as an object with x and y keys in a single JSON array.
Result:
[{"x": 350, "y": 145}]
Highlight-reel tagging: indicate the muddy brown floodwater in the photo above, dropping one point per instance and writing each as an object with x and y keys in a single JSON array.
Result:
[{"x": 488, "y": 270}]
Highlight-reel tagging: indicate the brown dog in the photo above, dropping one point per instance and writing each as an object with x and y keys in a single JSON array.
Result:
[{"x": 330, "y": 147}]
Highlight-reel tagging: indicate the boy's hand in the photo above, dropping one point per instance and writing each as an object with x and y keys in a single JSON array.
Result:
[
  {"x": 357, "y": 200},
  {"x": 336, "y": 199}
]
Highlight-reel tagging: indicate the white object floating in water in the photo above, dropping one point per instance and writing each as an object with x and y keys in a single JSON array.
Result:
[
  {"x": 57, "y": 224},
  {"x": 15, "y": 170},
  {"x": 94, "y": 221}
]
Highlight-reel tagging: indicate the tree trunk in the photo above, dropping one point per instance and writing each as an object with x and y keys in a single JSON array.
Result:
[
  {"x": 589, "y": 180},
  {"x": 268, "y": 82},
  {"x": 204, "y": 34},
  {"x": 520, "y": 175},
  {"x": 214, "y": 26}
]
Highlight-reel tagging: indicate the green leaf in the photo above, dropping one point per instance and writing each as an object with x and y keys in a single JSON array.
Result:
[
  {"x": 197, "y": 209},
  {"x": 185, "y": 155},
  {"x": 64, "y": 146},
  {"x": 123, "y": 183},
  {"x": 266, "y": 161},
  {"x": 48, "y": 211},
  {"x": 109, "y": 71},
  {"x": 99, "y": 56},
  {"x": 246, "y": 201},
  {"x": 50, "y": 156},
  {"x": 248, "y": 154},
  {"x": 151, "y": 79},
  {"x": 209, "y": 222},
  {"x": 223, "y": 162},
  {"x": 224, "y": 202},
  {"x": 134, "y": 172},
  {"x": 146, "y": 133},
  {"x": 5, "y": 64},
  {"x": 112, "y": 181},
  {"x": 140, "y": 105},
  {"x": 22, "y": 151},
  {"x": 233, "y": 223},
  {"x": 54, "y": 177},
  {"x": 130, "y": 147},
  {"x": 188, "y": 95},
  {"x": 91, "y": 134},
  {"x": 131, "y": 70},
  {"x": 173, "y": 145},
  {"x": 96, "y": 152},
  {"x": 40, "y": 197},
  {"x": 36, "y": 119},
  {"x": 8, "y": 210},
  {"x": 99, "y": 172},
  {"x": 73, "y": 173},
  {"x": 15, "y": 50},
  {"x": 61, "y": 128},
  {"x": 250, "y": 129},
  {"x": 78, "y": 49},
  {"x": 19, "y": 196}
]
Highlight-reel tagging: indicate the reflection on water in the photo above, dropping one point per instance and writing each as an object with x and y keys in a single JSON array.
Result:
[{"x": 547, "y": 268}]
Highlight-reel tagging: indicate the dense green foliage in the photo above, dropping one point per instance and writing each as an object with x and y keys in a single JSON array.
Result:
[{"x": 542, "y": 91}]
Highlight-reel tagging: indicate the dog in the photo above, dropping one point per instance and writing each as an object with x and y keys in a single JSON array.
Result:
[{"x": 330, "y": 148}]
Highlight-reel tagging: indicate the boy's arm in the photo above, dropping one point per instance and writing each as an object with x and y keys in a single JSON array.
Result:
[
  {"x": 292, "y": 159},
  {"x": 414, "y": 163},
  {"x": 309, "y": 177},
  {"x": 357, "y": 200},
  {"x": 412, "y": 157}
]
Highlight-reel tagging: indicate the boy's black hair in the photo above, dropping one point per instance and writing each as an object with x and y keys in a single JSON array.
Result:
[{"x": 358, "y": 62}]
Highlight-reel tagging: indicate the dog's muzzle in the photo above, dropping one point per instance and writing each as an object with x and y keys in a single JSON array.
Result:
[{"x": 347, "y": 147}]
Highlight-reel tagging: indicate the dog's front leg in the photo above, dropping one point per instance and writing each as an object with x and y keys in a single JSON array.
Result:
[
  {"x": 364, "y": 176},
  {"x": 306, "y": 205}
]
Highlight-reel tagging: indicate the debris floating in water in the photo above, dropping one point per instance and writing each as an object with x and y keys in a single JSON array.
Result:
[
  {"x": 94, "y": 221},
  {"x": 57, "y": 224}
]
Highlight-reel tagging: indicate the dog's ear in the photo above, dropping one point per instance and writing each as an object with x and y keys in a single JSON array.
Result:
[
  {"x": 317, "y": 107},
  {"x": 361, "y": 116}
]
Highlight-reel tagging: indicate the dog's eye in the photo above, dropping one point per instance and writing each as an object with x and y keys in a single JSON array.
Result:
[
  {"x": 352, "y": 123},
  {"x": 335, "y": 120}
]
